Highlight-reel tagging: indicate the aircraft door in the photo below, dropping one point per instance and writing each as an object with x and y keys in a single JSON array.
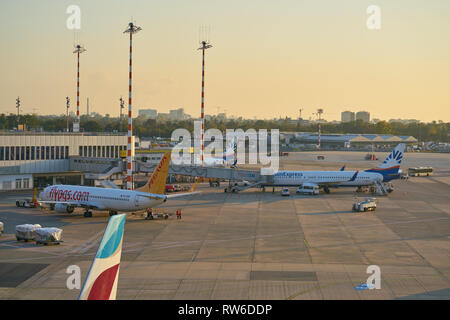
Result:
[{"x": 136, "y": 201}]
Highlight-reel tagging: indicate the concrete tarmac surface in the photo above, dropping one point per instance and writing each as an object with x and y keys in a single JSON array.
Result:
[{"x": 254, "y": 245}]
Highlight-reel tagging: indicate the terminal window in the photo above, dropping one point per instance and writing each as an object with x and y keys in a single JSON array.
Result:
[
  {"x": 67, "y": 152},
  {"x": 17, "y": 153},
  {"x": 38, "y": 149},
  {"x": 18, "y": 183},
  {"x": 47, "y": 152},
  {"x": 32, "y": 153},
  {"x": 2, "y": 153}
]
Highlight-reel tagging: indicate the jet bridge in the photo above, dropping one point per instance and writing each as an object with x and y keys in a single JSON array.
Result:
[{"x": 232, "y": 174}]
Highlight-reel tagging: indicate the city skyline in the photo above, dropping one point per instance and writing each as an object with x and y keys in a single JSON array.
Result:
[{"x": 269, "y": 62}]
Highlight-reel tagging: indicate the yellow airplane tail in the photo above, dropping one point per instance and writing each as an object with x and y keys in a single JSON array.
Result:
[{"x": 157, "y": 182}]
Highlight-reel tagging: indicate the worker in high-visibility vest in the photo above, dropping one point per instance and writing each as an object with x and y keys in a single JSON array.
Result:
[{"x": 178, "y": 214}]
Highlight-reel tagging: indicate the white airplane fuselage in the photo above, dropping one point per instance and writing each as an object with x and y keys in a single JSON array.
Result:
[
  {"x": 338, "y": 178},
  {"x": 102, "y": 198}
]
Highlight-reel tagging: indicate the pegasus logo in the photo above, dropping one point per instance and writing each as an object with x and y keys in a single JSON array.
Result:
[{"x": 158, "y": 169}]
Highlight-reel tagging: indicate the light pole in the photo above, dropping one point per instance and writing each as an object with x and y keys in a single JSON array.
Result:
[
  {"x": 67, "y": 112},
  {"x": 18, "y": 109},
  {"x": 120, "y": 119}
]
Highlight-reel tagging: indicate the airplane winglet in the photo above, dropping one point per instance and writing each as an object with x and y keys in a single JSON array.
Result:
[
  {"x": 194, "y": 185},
  {"x": 102, "y": 279},
  {"x": 354, "y": 176}
]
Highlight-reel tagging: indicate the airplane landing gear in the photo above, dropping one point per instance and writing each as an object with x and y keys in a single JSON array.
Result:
[
  {"x": 112, "y": 213},
  {"x": 88, "y": 214},
  {"x": 326, "y": 189}
]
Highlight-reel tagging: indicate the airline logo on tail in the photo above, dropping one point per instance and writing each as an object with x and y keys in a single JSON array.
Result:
[
  {"x": 101, "y": 281},
  {"x": 390, "y": 167},
  {"x": 157, "y": 182},
  {"x": 394, "y": 158}
]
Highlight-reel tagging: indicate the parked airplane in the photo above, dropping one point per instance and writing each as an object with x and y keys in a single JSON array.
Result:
[
  {"x": 390, "y": 167},
  {"x": 388, "y": 170},
  {"x": 65, "y": 198},
  {"x": 101, "y": 281},
  {"x": 222, "y": 160}
]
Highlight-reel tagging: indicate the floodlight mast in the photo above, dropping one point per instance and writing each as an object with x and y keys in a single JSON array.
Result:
[
  {"x": 78, "y": 50},
  {"x": 205, "y": 45},
  {"x": 132, "y": 29}
]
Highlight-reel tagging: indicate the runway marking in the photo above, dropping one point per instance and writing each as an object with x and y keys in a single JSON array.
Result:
[
  {"x": 20, "y": 246},
  {"x": 85, "y": 245}
]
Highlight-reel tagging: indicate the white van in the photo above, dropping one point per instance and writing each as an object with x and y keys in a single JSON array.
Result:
[{"x": 308, "y": 188}]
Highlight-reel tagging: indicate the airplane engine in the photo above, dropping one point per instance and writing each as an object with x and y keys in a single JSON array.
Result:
[{"x": 62, "y": 208}]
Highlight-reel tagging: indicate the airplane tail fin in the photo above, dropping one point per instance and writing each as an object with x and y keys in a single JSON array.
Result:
[
  {"x": 157, "y": 182},
  {"x": 390, "y": 167},
  {"x": 230, "y": 152},
  {"x": 394, "y": 158},
  {"x": 102, "y": 279}
]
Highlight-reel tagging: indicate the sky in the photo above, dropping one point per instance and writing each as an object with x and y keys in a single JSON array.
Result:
[{"x": 269, "y": 58}]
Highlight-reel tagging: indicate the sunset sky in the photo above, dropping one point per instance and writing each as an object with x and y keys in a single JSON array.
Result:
[{"x": 269, "y": 58}]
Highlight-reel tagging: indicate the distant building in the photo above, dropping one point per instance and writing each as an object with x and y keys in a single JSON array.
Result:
[
  {"x": 176, "y": 114},
  {"x": 347, "y": 116},
  {"x": 363, "y": 115},
  {"x": 148, "y": 113}
]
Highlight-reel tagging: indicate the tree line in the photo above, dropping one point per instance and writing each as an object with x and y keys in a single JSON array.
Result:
[{"x": 143, "y": 127}]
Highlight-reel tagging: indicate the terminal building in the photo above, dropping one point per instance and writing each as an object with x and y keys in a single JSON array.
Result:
[
  {"x": 29, "y": 159},
  {"x": 308, "y": 140}
]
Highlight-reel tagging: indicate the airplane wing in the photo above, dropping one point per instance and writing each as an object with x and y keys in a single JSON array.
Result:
[
  {"x": 155, "y": 196},
  {"x": 190, "y": 193},
  {"x": 176, "y": 195}
]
